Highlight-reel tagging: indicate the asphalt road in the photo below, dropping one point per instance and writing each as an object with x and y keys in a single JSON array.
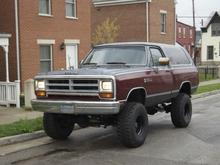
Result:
[{"x": 165, "y": 145}]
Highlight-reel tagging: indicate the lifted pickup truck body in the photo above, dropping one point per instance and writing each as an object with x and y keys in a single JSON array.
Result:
[{"x": 115, "y": 77}]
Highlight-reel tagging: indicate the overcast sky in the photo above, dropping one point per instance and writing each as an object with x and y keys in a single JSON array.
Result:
[{"x": 202, "y": 8}]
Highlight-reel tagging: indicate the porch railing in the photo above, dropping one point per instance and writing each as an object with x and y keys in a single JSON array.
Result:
[{"x": 10, "y": 93}]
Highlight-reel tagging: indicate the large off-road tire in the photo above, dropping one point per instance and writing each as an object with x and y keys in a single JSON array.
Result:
[
  {"x": 58, "y": 126},
  {"x": 181, "y": 111},
  {"x": 132, "y": 126}
]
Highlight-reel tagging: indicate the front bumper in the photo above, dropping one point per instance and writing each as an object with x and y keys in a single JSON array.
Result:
[{"x": 76, "y": 107}]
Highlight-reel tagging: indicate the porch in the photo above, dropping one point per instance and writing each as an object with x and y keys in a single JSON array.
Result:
[{"x": 9, "y": 91}]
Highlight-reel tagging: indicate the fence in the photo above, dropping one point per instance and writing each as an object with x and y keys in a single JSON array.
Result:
[
  {"x": 10, "y": 93},
  {"x": 208, "y": 72}
]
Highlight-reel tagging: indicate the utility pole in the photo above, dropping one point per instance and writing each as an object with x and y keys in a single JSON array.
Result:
[{"x": 194, "y": 26}]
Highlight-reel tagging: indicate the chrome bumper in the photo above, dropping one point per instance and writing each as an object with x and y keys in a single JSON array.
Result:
[{"x": 76, "y": 107}]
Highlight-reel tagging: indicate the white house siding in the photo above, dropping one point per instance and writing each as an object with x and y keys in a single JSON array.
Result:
[{"x": 209, "y": 40}]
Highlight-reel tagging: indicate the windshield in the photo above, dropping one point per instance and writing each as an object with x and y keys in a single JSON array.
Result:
[{"x": 128, "y": 55}]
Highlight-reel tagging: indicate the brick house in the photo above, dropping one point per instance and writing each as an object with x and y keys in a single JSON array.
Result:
[
  {"x": 185, "y": 36},
  {"x": 46, "y": 35},
  {"x": 211, "y": 40},
  {"x": 139, "y": 20}
]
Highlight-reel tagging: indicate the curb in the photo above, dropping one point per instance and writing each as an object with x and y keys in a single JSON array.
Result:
[
  {"x": 38, "y": 134},
  {"x": 25, "y": 137},
  {"x": 202, "y": 95},
  {"x": 20, "y": 138}
]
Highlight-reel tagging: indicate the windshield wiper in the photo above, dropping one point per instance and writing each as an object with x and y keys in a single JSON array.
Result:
[{"x": 122, "y": 63}]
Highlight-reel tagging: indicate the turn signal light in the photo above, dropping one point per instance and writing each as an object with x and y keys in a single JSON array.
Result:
[
  {"x": 106, "y": 95},
  {"x": 40, "y": 93}
]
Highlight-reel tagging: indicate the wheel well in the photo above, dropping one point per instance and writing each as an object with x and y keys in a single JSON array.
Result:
[
  {"x": 186, "y": 88},
  {"x": 137, "y": 95}
]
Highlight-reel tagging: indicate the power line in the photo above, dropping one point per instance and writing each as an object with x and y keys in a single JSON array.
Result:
[
  {"x": 194, "y": 25},
  {"x": 192, "y": 16}
]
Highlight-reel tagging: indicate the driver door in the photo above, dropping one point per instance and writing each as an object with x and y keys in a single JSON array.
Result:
[{"x": 159, "y": 79}]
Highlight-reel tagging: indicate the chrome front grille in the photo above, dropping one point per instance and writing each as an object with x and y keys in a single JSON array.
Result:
[{"x": 72, "y": 86}]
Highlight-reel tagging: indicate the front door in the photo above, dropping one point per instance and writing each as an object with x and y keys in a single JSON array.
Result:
[
  {"x": 71, "y": 57},
  {"x": 159, "y": 80}
]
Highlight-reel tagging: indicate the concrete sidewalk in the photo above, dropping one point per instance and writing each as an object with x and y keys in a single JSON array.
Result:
[
  {"x": 209, "y": 82},
  {"x": 10, "y": 115}
]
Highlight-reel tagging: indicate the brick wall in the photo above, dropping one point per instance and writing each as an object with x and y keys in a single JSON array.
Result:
[
  {"x": 154, "y": 20},
  {"x": 132, "y": 20},
  {"x": 186, "y": 41},
  {"x": 7, "y": 25},
  {"x": 57, "y": 27}
]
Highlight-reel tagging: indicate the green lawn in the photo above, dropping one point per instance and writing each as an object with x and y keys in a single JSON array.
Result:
[
  {"x": 208, "y": 88},
  {"x": 20, "y": 127}
]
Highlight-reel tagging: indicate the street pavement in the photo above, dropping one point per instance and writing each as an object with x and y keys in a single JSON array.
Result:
[{"x": 165, "y": 145}]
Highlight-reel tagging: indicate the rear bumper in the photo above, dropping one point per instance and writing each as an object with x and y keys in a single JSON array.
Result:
[{"x": 76, "y": 107}]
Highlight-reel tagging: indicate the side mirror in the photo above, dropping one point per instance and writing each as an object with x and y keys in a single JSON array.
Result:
[{"x": 164, "y": 61}]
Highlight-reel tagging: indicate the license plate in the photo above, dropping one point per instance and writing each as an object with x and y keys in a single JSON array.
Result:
[{"x": 67, "y": 109}]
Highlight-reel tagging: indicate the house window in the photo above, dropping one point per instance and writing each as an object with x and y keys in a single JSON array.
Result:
[
  {"x": 191, "y": 33},
  {"x": 216, "y": 29},
  {"x": 163, "y": 18},
  {"x": 180, "y": 30},
  {"x": 45, "y": 7},
  {"x": 71, "y": 8},
  {"x": 210, "y": 52},
  {"x": 184, "y": 32},
  {"x": 45, "y": 58}
]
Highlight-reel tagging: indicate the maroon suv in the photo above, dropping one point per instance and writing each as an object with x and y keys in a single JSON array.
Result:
[{"x": 119, "y": 84}]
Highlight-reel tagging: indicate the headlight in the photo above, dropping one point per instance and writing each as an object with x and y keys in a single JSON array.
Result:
[
  {"x": 40, "y": 85},
  {"x": 106, "y": 86},
  {"x": 106, "y": 89}
]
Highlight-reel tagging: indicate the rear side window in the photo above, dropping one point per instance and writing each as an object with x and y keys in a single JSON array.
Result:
[{"x": 177, "y": 56}]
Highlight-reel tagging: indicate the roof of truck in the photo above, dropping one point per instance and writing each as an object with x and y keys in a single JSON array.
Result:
[{"x": 139, "y": 43}]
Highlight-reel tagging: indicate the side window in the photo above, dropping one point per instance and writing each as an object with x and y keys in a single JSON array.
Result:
[
  {"x": 216, "y": 29},
  {"x": 70, "y": 8},
  {"x": 45, "y": 7},
  {"x": 177, "y": 56},
  {"x": 210, "y": 52},
  {"x": 163, "y": 21},
  {"x": 155, "y": 56},
  {"x": 45, "y": 58}
]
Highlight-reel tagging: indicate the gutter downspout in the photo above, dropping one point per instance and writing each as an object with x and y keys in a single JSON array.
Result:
[
  {"x": 147, "y": 20},
  {"x": 17, "y": 41},
  {"x": 18, "y": 81},
  {"x": 175, "y": 26}
]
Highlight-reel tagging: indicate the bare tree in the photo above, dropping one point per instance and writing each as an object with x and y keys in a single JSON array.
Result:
[{"x": 106, "y": 32}]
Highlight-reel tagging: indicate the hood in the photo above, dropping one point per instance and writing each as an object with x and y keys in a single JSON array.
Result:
[{"x": 108, "y": 70}]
